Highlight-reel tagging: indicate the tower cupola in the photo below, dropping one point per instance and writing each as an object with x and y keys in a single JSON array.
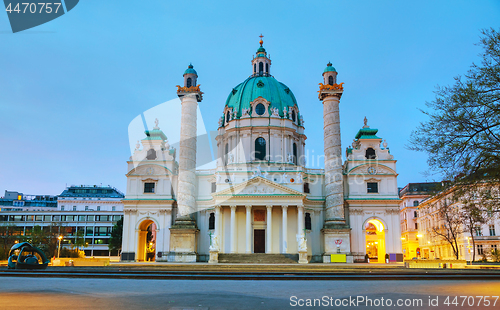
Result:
[
  {"x": 330, "y": 75},
  {"x": 261, "y": 63},
  {"x": 190, "y": 76}
]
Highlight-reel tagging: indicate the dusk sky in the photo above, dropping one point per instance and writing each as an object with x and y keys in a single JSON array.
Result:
[{"x": 70, "y": 88}]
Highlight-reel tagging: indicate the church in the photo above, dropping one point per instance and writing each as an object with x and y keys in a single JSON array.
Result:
[{"x": 261, "y": 203}]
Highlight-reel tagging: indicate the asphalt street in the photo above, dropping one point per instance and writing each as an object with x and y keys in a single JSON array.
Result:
[{"x": 81, "y": 293}]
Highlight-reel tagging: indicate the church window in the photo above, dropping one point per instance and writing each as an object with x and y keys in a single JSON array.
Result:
[
  {"x": 415, "y": 203},
  {"x": 372, "y": 187},
  {"x": 62, "y": 208},
  {"x": 416, "y": 226},
  {"x": 260, "y": 109},
  {"x": 308, "y": 221},
  {"x": 260, "y": 149},
  {"x": 267, "y": 68},
  {"x": 306, "y": 188},
  {"x": 261, "y": 68},
  {"x": 228, "y": 117},
  {"x": 86, "y": 208},
  {"x": 211, "y": 221},
  {"x": 113, "y": 208},
  {"x": 214, "y": 187},
  {"x": 74, "y": 208},
  {"x": 330, "y": 80},
  {"x": 149, "y": 187},
  {"x": 189, "y": 82},
  {"x": 293, "y": 116},
  {"x": 254, "y": 68},
  {"x": 370, "y": 153},
  {"x": 295, "y": 153},
  {"x": 98, "y": 208},
  {"x": 415, "y": 214},
  {"x": 151, "y": 154}
]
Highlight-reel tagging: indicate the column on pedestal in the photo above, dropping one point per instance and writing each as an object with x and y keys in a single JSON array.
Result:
[
  {"x": 233, "y": 229},
  {"x": 284, "y": 208},
  {"x": 269, "y": 220},
  {"x": 248, "y": 243}
]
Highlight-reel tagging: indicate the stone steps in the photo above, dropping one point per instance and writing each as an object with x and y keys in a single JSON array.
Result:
[{"x": 258, "y": 258}]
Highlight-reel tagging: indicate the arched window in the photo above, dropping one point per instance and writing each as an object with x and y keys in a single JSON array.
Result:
[
  {"x": 295, "y": 153},
  {"x": 415, "y": 203},
  {"x": 330, "y": 80},
  {"x": 151, "y": 154},
  {"x": 267, "y": 68},
  {"x": 370, "y": 153},
  {"x": 293, "y": 116},
  {"x": 254, "y": 68},
  {"x": 260, "y": 149},
  {"x": 189, "y": 82},
  {"x": 211, "y": 221},
  {"x": 261, "y": 68},
  {"x": 260, "y": 109},
  {"x": 228, "y": 117}
]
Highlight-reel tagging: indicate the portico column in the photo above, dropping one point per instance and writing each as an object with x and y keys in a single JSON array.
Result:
[
  {"x": 248, "y": 247},
  {"x": 285, "y": 229},
  {"x": 269, "y": 229},
  {"x": 300, "y": 219},
  {"x": 233, "y": 230},
  {"x": 217, "y": 222}
]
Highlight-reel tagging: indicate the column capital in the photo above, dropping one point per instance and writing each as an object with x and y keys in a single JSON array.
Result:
[
  {"x": 233, "y": 207},
  {"x": 248, "y": 207},
  {"x": 269, "y": 207},
  {"x": 300, "y": 207},
  {"x": 217, "y": 207},
  {"x": 284, "y": 207}
]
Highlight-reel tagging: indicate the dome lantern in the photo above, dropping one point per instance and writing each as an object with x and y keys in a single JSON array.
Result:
[{"x": 261, "y": 64}]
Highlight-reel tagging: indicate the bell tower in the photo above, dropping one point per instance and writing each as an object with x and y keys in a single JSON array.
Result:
[{"x": 335, "y": 230}]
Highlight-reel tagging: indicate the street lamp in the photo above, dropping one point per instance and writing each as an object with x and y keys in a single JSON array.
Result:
[{"x": 59, "y": 247}]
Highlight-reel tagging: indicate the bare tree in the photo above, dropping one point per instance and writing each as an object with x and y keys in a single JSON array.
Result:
[{"x": 448, "y": 225}]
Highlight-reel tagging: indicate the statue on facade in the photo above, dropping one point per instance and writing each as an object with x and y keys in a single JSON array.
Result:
[
  {"x": 137, "y": 145},
  {"x": 230, "y": 158},
  {"x": 302, "y": 242},
  {"x": 275, "y": 112},
  {"x": 156, "y": 124},
  {"x": 245, "y": 112},
  {"x": 214, "y": 243},
  {"x": 220, "y": 121},
  {"x": 290, "y": 158},
  {"x": 384, "y": 144}
]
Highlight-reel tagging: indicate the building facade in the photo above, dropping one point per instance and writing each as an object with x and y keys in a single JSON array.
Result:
[
  {"x": 434, "y": 246},
  {"x": 411, "y": 196},
  {"x": 261, "y": 197},
  {"x": 88, "y": 212}
]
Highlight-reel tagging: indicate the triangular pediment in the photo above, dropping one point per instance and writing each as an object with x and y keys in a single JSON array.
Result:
[{"x": 258, "y": 186}]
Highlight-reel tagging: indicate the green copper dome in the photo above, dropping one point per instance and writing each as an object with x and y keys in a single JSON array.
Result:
[
  {"x": 190, "y": 70},
  {"x": 329, "y": 68},
  {"x": 261, "y": 49},
  {"x": 277, "y": 93}
]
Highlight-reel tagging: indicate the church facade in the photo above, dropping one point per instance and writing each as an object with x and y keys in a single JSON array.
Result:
[{"x": 261, "y": 197}]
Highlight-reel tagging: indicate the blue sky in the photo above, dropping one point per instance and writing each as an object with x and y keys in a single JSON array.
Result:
[{"x": 70, "y": 88}]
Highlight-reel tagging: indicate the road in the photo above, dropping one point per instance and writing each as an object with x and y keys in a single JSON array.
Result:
[{"x": 84, "y": 293}]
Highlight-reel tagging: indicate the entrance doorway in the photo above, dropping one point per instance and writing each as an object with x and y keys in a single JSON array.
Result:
[
  {"x": 375, "y": 241},
  {"x": 147, "y": 241},
  {"x": 259, "y": 241}
]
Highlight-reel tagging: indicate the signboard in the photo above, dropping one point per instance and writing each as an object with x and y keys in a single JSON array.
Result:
[{"x": 338, "y": 258}]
